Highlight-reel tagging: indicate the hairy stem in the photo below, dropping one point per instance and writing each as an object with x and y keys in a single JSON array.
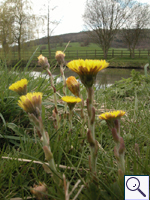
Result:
[
  {"x": 55, "y": 98},
  {"x": 91, "y": 127}
]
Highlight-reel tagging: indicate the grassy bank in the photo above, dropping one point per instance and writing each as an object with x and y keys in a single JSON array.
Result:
[
  {"x": 19, "y": 140},
  {"x": 117, "y": 57}
]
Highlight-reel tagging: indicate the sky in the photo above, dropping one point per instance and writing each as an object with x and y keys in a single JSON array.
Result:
[{"x": 68, "y": 12}]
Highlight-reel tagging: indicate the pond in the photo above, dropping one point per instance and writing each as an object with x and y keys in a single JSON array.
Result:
[{"x": 105, "y": 77}]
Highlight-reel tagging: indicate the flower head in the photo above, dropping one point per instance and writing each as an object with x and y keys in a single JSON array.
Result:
[
  {"x": 43, "y": 62},
  {"x": 73, "y": 85},
  {"x": 60, "y": 57},
  {"x": 113, "y": 118},
  {"x": 117, "y": 114},
  {"x": 31, "y": 103},
  {"x": 20, "y": 87},
  {"x": 87, "y": 69},
  {"x": 71, "y": 101}
]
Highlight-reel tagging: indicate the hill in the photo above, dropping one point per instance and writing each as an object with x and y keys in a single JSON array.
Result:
[{"x": 84, "y": 39}]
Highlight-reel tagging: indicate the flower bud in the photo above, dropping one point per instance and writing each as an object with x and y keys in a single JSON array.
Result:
[
  {"x": 60, "y": 57},
  {"x": 43, "y": 62},
  {"x": 73, "y": 85}
]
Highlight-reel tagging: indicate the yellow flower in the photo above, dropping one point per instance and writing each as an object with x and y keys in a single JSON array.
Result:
[
  {"x": 31, "y": 103},
  {"x": 20, "y": 87},
  {"x": 71, "y": 101},
  {"x": 73, "y": 85},
  {"x": 87, "y": 69},
  {"x": 117, "y": 114},
  {"x": 43, "y": 62},
  {"x": 60, "y": 57}
]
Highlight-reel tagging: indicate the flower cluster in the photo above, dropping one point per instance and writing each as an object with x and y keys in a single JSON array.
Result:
[{"x": 31, "y": 103}]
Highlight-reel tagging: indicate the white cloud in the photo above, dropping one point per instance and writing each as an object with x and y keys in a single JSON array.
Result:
[
  {"x": 69, "y": 12},
  {"x": 144, "y": 1}
]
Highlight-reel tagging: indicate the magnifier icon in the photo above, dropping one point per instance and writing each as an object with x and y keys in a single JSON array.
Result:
[{"x": 133, "y": 184}]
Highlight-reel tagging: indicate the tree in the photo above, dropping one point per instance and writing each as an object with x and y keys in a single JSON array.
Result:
[
  {"x": 49, "y": 28},
  {"x": 48, "y": 22},
  {"x": 135, "y": 28},
  {"x": 104, "y": 19},
  {"x": 22, "y": 21},
  {"x": 5, "y": 28}
]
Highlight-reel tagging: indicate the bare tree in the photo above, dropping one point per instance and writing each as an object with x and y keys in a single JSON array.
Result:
[
  {"x": 48, "y": 21},
  {"x": 104, "y": 19},
  {"x": 135, "y": 29},
  {"x": 50, "y": 24}
]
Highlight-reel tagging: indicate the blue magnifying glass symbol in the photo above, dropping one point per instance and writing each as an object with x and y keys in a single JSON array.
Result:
[{"x": 133, "y": 184}]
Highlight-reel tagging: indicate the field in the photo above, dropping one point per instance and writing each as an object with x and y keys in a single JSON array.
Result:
[
  {"x": 117, "y": 57},
  {"x": 71, "y": 147}
]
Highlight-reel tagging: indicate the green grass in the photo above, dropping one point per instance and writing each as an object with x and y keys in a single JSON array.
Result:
[
  {"x": 116, "y": 56},
  {"x": 19, "y": 141}
]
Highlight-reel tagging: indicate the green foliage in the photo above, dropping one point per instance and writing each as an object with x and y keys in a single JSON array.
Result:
[
  {"x": 19, "y": 141},
  {"x": 14, "y": 121},
  {"x": 127, "y": 87}
]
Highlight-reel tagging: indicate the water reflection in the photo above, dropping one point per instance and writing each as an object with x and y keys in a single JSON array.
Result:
[{"x": 105, "y": 77}]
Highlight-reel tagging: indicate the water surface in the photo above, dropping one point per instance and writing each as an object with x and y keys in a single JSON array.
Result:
[{"x": 107, "y": 76}]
